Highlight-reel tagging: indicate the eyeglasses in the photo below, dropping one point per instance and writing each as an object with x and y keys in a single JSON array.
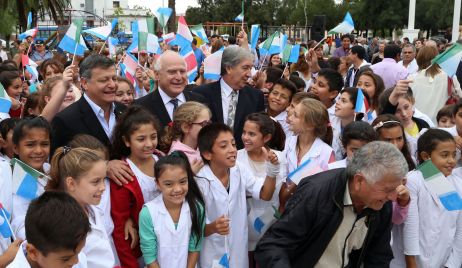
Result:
[{"x": 203, "y": 123}]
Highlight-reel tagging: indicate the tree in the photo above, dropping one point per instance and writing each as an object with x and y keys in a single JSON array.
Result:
[{"x": 55, "y": 9}]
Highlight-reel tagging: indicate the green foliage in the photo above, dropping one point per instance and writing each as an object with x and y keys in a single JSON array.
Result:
[{"x": 377, "y": 15}]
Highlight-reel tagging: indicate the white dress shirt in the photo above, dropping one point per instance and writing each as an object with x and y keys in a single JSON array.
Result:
[
  {"x": 168, "y": 105},
  {"x": 226, "y": 98},
  {"x": 412, "y": 67},
  {"x": 99, "y": 112}
]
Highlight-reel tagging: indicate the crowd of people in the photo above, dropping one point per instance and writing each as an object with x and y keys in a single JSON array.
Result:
[{"x": 271, "y": 165}]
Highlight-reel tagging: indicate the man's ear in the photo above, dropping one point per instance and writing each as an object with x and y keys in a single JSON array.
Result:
[{"x": 83, "y": 83}]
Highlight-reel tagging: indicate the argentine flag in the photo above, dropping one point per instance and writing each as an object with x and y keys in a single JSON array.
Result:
[
  {"x": 102, "y": 32},
  {"x": 440, "y": 186},
  {"x": 5, "y": 227},
  {"x": 212, "y": 66},
  {"x": 26, "y": 180},
  {"x": 346, "y": 26},
  {"x": 240, "y": 17},
  {"x": 5, "y": 100},
  {"x": 449, "y": 60},
  {"x": 73, "y": 42},
  {"x": 199, "y": 31}
]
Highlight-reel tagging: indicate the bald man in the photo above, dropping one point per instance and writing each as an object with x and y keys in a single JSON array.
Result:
[{"x": 171, "y": 78}]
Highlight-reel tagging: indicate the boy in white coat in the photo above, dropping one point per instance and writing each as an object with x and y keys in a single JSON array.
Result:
[
  {"x": 225, "y": 187},
  {"x": 56, "y": 228}
]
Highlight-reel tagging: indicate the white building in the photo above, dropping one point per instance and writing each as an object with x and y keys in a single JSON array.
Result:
[{"x": 106, "y": 9}]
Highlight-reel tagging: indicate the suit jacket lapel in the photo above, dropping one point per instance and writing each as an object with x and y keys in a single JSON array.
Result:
[
  {"x": 91, "y": 122},
  {"x": 159, "y": 107},
  {"x": 216, "y": 104}
]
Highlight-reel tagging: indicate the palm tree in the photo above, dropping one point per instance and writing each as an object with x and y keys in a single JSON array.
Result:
[
  {"x": 55, "y": 8},
  {"x": 172, "y": 21}
]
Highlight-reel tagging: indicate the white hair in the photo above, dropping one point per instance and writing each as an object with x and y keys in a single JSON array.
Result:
[{"x": 377, "y": 159}]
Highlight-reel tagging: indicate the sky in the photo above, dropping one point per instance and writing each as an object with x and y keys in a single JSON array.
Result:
[{"x": 181, "y": 5}]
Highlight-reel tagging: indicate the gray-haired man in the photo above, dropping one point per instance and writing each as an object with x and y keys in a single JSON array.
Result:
[
  {"x": 230, "y": 98},
  {"x": 341, "y": 217}
]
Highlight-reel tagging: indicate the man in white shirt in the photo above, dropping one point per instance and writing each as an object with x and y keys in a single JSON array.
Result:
[
  {"x": 171, "y": 77},
  {"x": 231, "y": 98},
  {"x": 408, "y": 59},
  {"x": 356, "y": 56}
]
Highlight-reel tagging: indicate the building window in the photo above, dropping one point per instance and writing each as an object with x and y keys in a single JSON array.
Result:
[
  {"x": 82, "y": 5},
  {"x": 115, "y": 4}
]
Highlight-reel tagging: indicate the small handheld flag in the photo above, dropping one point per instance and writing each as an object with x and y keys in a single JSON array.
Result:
[
  {"x": 441, "y": 186},
  {"x": 346, "y": 26},
  {"x": 102, "y": 32},
  {"x": 26, "y": 180},
  {"x": 5, "y": 100},
  {"x": 29, "y": 20},
  {"x": 163, "y": 14},
  {"x": 212, "y": 66},
  {"x": 30, "y": 32},
  {"x": 73, "y": 42},
  {"x": 362, "y": 106},
  {"x": 255, "y": 33},
  {"x": 199, "y": 31},
  {"x": 183, "y": 35},
  {"x": 5, "y": 228},
  {"x": 191, "y": 64},
  {"x": 449, "y": 60}
]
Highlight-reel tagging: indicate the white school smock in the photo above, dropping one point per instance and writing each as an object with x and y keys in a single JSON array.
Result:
[
  {"x": 257, "y": 208},
  {"x": 147, "y": 183},
  {"x": 97, "y": 251},
  {"x": 218, "y": 203},
  {"x": 20, "y": 260},
  {"x": 5, "y": 197},
  {"x": 430, "y": 232},
  {"x": 319, "y": 154},
  {"x": 337, "y": 138},
  {"x": 338, "y": 164},
  {"x": 21, "y": 204},
  {"x": 105, "y": 208},
  {"x": 172, "y": 244}
]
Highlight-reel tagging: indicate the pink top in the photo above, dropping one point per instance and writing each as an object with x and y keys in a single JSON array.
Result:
[
  {"x": 190, "y": 152},
  {"x": 399, "y": 213}
]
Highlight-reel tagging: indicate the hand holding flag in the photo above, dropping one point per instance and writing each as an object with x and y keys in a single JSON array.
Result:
[{"x": 5, "y": 228}]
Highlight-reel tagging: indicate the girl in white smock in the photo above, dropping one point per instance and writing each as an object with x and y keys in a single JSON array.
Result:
[{"x": 172, "y": 225}]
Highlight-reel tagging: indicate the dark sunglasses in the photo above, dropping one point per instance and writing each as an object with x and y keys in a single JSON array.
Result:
[{"x": 203, "y": 123}]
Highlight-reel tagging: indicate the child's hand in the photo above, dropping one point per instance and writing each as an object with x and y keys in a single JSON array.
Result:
[
  {"x": 401, "y": 88},
  {"x": 221, "y": 225},
  {"x": 196, "y": 165},
  {"x": 68, "y": 74},
  {"x": 272, "y": 164},
  {"x": 458, "y": 140},
  {"x": 403, "y": 195},
  {"x": 9, "y": 255},
  {"x": 130, "y": 231}
]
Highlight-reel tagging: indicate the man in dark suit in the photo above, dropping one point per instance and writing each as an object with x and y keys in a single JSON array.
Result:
[
  {"x": 171, "y": 76},
  {"x": 231, "y": 99},
  {"x": 95, "y": 112}
]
